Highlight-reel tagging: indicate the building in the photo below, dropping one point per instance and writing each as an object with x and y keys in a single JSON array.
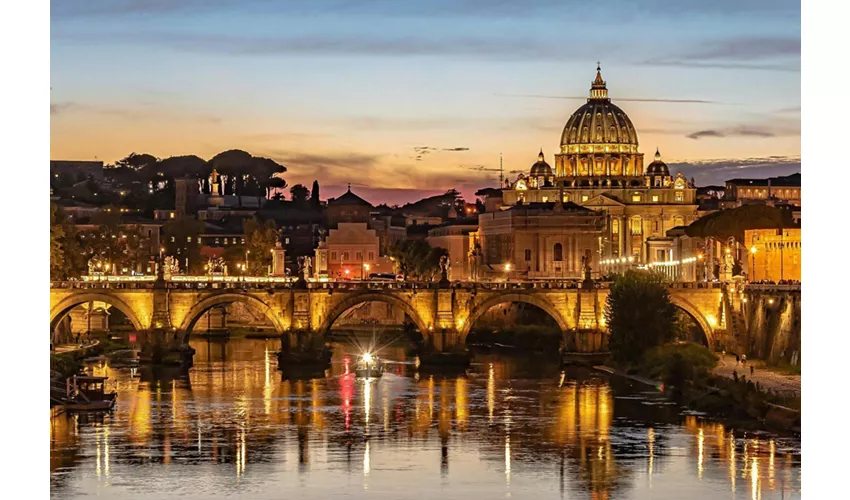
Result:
[
  {"x": 78, "y": 170},
  {"x": 457, "y": 237},
  {"x": 783, "y": 190},
  {"x": 540, "y": 240},
  {"x": 774, "y": 254},
  {"x": 599, "y": 167},
  {"x": 348, "y": 208},
  {"x": 351, "y": 251}
]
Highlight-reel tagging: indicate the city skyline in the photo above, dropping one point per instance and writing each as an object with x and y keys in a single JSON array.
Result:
[{"x": 408, "y": 100}]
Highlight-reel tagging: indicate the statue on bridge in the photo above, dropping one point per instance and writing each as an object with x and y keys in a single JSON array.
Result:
[
  {"x": 216, "y": 267},
  {"x": 304, "y": 267},
  {"x": 97, "y": 266},
  {"x": 585, "y": 266},
  {"x": 171, "y": 267},
  {"x": 445, "y": 264}
]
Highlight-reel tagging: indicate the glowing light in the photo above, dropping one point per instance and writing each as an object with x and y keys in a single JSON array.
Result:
[
  {"x": 728, "y": 250},
  {"x": 744, "y": 300},
  {"x": 753, "y": 249},
  {"x": 367, "y": 357},
  {"x": 711, "y": 320},
  {"x": 366, "y": 266},
  {"x": 508, "y": 267},
  {"x": 631, "y": 259},
  {"x": 770, "y": 301}
]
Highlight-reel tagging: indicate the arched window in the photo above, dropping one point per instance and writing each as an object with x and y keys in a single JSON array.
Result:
[
  {"x": 615, "y": 226},
  {"x": 559, "y": 252}
]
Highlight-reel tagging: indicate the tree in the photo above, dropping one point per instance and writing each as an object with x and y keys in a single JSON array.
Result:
[
  {"x": 314, "y": 195},
  {"x": 639, "y": 314},
  {"x": 136, "y": 161},
  {"x": 417, "y": 259},
  {"x": 276, "y": 184},
  {"x": 299, "y": 193},
  {"x": 260, "y": 239}
]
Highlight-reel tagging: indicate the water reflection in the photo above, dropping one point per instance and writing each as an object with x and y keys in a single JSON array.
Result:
[{"x": 233, "y": 424}]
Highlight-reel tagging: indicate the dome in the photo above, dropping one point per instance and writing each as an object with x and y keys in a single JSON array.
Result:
[
  {"x": 599, "y": 123},
  {"x": 657, "y": 167},
  {"x": 541, "y": 168}
]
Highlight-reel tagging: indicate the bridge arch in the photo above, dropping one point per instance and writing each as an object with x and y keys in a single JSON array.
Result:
[
  {"x": 509, "y": 297},
  {"x": 694, "y": 312},
  {"x": 337, "y": 310},
  {"x": 210, "y": 302},
  {"x": 58, "y": 312}
]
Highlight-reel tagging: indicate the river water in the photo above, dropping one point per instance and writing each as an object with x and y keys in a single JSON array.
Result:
[{"x": 233, "y": 426}]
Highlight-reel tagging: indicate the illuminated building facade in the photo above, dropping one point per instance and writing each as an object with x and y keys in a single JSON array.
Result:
[{"x": 599, "y": 167}]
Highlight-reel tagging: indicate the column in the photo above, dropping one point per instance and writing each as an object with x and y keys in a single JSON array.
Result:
[{"x": 608, "y": 165}]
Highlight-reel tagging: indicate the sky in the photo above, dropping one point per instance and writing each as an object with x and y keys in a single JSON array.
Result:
[{"x": 404, "y": 99}]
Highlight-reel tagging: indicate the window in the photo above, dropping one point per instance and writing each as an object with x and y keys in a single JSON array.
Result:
[
  {"x": 371, "y": 255},
  {"x": 344, "y": 255},
  {"x": 680, "y": 196},
  {"x": 188, "y": 239},
  {"x": 358, "y": 256},
  {"x": 545, "y": 199},
  {"x": 199, "y": 240},
  {"x": 217, "y": 242},
  {"x": 171, "y": 215},
  {"x": 615, "y": 226},
  {"x": 584, "y": 198},
  {"x": 655, "y": 198},
  {"x": 333, "y": 256},
  {"x": 559, "y": 252},
  {"x": 527, "y": 255},
  {"x": 286, "y": 241},
  {"x": 656, "y": 226},
  {"x": 636, "y": 198},
  {"x": 565, "y": 199},
  {"x": 636, "y": 225},
  {"x": 172, "y": 239}
]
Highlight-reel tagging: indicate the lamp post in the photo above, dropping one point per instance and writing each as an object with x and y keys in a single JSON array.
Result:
[
  {"x": 753, "y": 253},
  {"x": 508, "y": 271},
  {"x": 365, "y": 270},
  {"x": 246, "y": 258}
]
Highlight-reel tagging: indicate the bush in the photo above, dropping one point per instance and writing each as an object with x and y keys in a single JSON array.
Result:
[{"x": 680, "y": 362}]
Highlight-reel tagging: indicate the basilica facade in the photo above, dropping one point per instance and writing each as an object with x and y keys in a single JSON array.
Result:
[{"x": 599, "y": 167}]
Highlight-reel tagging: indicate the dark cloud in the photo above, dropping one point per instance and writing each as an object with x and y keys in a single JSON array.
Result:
[
  {"x": 578, "y": 9},
  {"x": 625, "y": 99},
  {"x": 495, "y": 48},
  {"x": 59, "y": 107},
  {"x": 732, "y": 132},
  {"x": 760, "y": 53},
  {"x": 711, "y": 172},
  {"x": 339, "y": 167},
  {"x": 455, "y": 149}
]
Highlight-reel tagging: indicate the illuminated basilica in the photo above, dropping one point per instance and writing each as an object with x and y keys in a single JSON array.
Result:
[{"x": 599, "y": 167}]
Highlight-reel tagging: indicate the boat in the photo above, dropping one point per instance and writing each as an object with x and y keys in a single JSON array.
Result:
[
  {"x": 83, "y": 393},
  {"x": 369, "y": 366}
]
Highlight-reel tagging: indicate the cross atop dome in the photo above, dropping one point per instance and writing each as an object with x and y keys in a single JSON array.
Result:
[
  {"x": 657, "y": 154},
  {"x": 598, "y": 90}
]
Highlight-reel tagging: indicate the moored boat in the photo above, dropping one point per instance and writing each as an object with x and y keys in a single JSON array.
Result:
[{"x": 85, "y": 393}]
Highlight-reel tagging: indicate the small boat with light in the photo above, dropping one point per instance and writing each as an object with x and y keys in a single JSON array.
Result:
[{"x": 369, "y": 366}]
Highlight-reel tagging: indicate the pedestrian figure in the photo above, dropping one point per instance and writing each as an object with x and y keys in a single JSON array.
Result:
[
  {"x": 737, "y": 359},
  {"x": 752, "y": 369},
  {"x": 743, "y": 359},
  {"x": 735, "y": 375}
]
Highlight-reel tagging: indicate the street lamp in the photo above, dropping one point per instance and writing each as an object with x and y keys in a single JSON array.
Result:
[
  {"x": 753, "y": 253},
  {"x": 366, "y": 269}
]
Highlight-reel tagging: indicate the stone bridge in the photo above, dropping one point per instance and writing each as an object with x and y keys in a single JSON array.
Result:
[{"x": 444, "y": 315}]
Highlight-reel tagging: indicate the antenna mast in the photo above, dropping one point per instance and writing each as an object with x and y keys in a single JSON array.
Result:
[{"x": 501, "y": 172}]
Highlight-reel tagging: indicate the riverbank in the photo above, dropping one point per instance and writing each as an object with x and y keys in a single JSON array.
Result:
[{"x": 685, "y": 375}]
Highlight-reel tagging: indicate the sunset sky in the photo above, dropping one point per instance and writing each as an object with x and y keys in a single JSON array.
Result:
[{"x": 406, "y": 99}]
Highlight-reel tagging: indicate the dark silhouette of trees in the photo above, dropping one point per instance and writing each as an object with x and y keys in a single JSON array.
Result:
[
  {"x": 299, "y": 193},
  {"x": 417, "y": 259},
  {"x": 639, "y": 314},
  {"x": 314, "y": 195}
]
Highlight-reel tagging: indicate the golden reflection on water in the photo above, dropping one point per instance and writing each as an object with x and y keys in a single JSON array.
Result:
[{"x": 236, "y": 408}]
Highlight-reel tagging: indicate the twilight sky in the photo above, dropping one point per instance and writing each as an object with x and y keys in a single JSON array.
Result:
[{"x": 409, "y": 98}]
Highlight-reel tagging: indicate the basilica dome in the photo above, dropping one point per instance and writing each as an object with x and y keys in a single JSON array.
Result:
[
  {"x": 599, "y": 126},
  {"x": 541, "y": 168},
  {"x": 657, "y": 167}
]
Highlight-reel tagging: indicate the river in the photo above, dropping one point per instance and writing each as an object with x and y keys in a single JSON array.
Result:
[{"x": 511, "y": 428}]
